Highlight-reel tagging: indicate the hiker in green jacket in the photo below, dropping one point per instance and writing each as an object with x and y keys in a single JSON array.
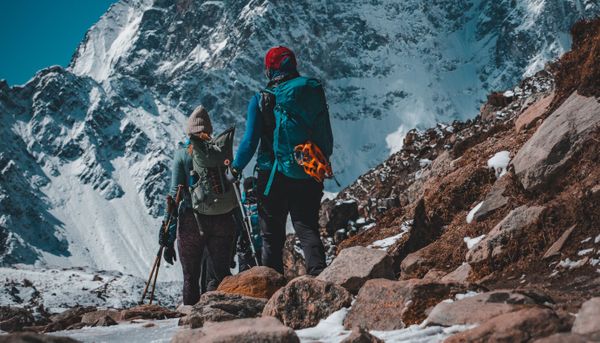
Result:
[{"x": 196, "y": 232}]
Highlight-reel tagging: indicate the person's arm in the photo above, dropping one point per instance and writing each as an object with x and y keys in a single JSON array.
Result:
[
  {"x": 178, "y": 176},
  {"x": 249, "y": 142}
]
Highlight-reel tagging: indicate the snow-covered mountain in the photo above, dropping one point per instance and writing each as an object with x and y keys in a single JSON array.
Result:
[{"x": 85, "y": 157}]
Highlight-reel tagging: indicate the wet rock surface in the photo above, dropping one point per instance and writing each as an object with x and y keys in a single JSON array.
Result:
[{"x": 306, "y": 300}]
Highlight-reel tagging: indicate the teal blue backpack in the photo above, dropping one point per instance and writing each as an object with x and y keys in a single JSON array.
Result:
[{"x": 301, "y": 115}]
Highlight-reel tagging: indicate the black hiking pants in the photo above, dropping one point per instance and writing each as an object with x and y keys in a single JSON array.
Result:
[
  {"x": 301, "y": 198},
  {"x": 218, "y": 241}
]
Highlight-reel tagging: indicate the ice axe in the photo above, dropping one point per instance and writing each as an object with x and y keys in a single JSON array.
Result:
[
  {"x": 246, "y": 219},
  {"x": 171, "y": 210}
]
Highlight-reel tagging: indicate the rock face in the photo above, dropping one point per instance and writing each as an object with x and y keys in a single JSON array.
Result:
[
  {"x": 360, "y": 335},
  {"x": 390, "y": 305},
  {"x": 478, "y": 308},
  {"x": 460, "y": 274},
  {"x": 257, "y": 282},
  {"x": 557, "y": 141},
  {"x": 510, "y": 228},
  {"x": 305, "y": 301},
  {"x": 588, "y": 319},
  {"x": 219, "y": 307},
  {"x": 293, "y": 258},
  {"x": 29, "y": 337},
  {"x": 533, "y": 113},
  {"x": 521, "y": 326},
  {"x": 354, "y": 266},
  {"x": 265, "y": 329},
  {"x": 562, "y": 338}
]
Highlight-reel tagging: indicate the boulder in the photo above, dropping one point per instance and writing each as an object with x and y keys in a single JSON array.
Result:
[
  {"x": 557, "y": 246},
  {"x": 478, "y": 308},
  {"x": 293, "y": 258},
  {"x": 390, "y": 305},
  {"x": 265, "y": 329},
  {"x": 413, "y": 265},
  {"x": 257, "y": 282},
  {"x": 361, "y": 335},
  {"x": 520, "y": 326},
  {"x": 148, "y": 312},
  {"x": 512, "y": 227},
  {"x": 93, "y": 317},
  {"x": 494, "y": 199},
  {"x": 30, "y": 337},
  {"x": 337, "y": 214},
  {"x": 68, "y": 319},
  {"x": 435, "y": 274},
  {"x": 459, "y": 275},
  {"x": 564, "y": 337},
  {"x": 354, "y": 266},
  {"x": 588, "y": 319},
  {"x": 533, "y": 113},
  {"x": 557, "y": 141},
  {"x": 305, "y": 301},
  {"x": 15, "y": 318},
  {"x": 219, "y": 307}
]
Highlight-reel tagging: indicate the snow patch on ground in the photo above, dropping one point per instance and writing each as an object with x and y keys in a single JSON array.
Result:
[
  {"x": 472, "y": 212},
  {"x": 158, "y": 331},
  {"x": 61, "y": 289},
  {"x": 471, "y": 242},
  {"x": 499, "y": 162},
  {"x": 384, "y": 244}
]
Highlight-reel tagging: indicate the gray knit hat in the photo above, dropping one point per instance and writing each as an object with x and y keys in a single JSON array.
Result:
[{"x": 199, "y": 122}]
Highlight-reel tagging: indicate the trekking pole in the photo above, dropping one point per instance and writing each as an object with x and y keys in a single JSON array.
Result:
[
  {"x": 156, "y": 265},
  {"x": 246, "y": 219}
]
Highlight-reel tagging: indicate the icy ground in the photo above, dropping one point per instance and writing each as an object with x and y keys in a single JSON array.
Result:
[
  {"x": 329, "y": 330},
  {"x": 61, "y": 289}
]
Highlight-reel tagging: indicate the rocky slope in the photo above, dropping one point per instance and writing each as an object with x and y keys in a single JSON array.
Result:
[
  {"x": 478, "y": 231},
  {"x": 84, "y": 162}
]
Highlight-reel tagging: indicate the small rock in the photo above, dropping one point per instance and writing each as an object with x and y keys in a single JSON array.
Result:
[
  {"x": 219, "y": 306},
  {"x": 434, "y": 274},
  {"x": 305, "y": 301},
  {"x": 105, "y": 321},
  {"x": 361, "y": 335},
  {"x": 588, "y": 318},
  {"x": 557, "y": 246},
  {"x": 459, "y": 275},
  {"x": 67, "y": 319},
  {"x": 512, "y": 227},
  {"x": 337, "y": 214},
  {"x": 494, "y": 199},
  {"x": 391, "y": 305},
  {"x": 293, "y": 259},
  {"x": 15, "y": 318},
  {"x": 92, "y": 317},
  {"x": 148, "y": 312},
  {"x": 257, "y": 282},
  {"x": 478, "y": 308},
  {"x": 30, "y": 337},
  {"x": 185, "y": 309},
  {"x": 354, "y": 266},
  {"x": 534, "y": 112},
  {"x": 520, "y": 326},
  {"x": 265, "y": 329},
  {"x": 562, "y": 338},
  {"x": 414, "y": 264}
]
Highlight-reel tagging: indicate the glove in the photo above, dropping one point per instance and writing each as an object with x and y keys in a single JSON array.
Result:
[
  {"x": 168, "y": 238},
  {"x": 170, "y": 254},
  {"x": 232, "y": 175}
]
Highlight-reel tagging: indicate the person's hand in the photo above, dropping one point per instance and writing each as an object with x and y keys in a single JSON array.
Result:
[
  {"x": 232, "y": 175},
  {"x": 169, "y": 254}
]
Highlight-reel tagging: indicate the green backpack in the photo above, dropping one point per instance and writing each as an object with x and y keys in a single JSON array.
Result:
[{"x": 211, "y": 193}]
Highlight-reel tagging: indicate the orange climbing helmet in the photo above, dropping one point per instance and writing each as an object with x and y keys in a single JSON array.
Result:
[{"x": 314, "y": 162}]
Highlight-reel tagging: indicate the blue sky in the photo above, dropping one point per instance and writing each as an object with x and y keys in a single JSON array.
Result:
[{"x": 35, "y": 34}]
